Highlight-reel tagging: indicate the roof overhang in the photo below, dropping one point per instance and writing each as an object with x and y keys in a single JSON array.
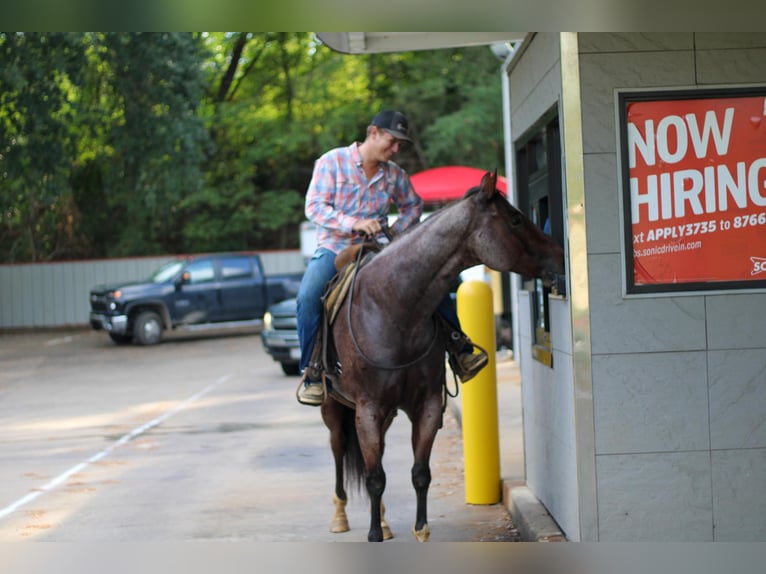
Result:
[{"x": 373, "y": 42}]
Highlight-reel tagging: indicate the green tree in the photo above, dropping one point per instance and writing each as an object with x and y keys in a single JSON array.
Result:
[
  {"x": 454, "y": 100},
  {"x": 276, "y": 101},
  {"x": 155, "y": 141},
  {"x": 38, "y": 75},
  {"x": 101, "y": 140},
  {"x": 256, "y": 111},
  {"x": 139, "y": 143},
  {"x": 221, "y": 214}
]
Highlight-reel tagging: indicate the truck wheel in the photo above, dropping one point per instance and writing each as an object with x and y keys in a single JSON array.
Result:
[
  {"x": 290, "y": 369},
  {"x": 121, "y": 339},
  {"x": 147, "y": 329}
]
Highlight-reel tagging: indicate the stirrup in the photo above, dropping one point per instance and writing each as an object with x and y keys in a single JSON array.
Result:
[
  {"x": 466, "y": 366},
  {"x": 316, "y": 398}
]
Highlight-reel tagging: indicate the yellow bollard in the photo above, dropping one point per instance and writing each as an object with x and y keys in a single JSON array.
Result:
[{"x": 481, "y": 445}]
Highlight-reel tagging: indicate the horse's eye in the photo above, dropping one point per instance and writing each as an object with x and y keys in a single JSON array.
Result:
[{"x": 516, "y": 219}]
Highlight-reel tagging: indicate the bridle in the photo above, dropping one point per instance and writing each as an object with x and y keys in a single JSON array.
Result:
[{"x": 387, "y": 232}]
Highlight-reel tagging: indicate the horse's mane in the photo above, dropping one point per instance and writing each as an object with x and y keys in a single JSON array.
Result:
[
  {"x": 473, "y": 191},
  {"x": 440, "y": 213},
  {"x": 436, "y": 215}
]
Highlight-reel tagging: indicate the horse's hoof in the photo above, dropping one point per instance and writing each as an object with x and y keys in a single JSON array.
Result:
[
  {"x": 423, "y": 534},
  {"x": 387, "y": 534},
  {"x": 339, "y": 525}
]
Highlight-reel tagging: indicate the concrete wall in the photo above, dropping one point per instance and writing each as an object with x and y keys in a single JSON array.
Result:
[
  {"x": 46, "y": 295},
  {"x": 679, "y": 383},
  {"x": 674, "y": 440},
  {"x": 550, "y": 448},
  {"x": 547, "y": 393}
]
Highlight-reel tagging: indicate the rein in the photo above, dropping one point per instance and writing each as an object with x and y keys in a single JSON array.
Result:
[{"x": 364, "y": 356}]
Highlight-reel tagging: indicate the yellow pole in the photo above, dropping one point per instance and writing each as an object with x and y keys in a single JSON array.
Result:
[{"x": 481, "y": 445}]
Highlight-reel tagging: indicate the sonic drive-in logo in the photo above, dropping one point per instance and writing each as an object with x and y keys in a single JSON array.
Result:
[{"x": 696, "y": 188}]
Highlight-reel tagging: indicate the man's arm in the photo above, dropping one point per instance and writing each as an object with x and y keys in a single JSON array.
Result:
[
  {"x": 320, "y": 198},
  {"x": 409, "y": 204}
]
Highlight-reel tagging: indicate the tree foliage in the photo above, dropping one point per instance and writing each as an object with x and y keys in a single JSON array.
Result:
[{"x": 117, "y": 144}]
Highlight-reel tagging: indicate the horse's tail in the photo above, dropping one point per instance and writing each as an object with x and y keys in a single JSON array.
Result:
[{"x": 353, "y": 461}]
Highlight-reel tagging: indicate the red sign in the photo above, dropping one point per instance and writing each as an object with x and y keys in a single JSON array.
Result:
[{"x": 694, "y": 183}]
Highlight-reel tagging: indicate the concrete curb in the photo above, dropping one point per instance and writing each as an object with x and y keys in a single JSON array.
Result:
[{"x": 528, "y": 514}]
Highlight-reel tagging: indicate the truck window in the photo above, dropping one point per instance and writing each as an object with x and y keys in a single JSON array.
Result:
[
  {"x": 201, "y": 272},
  {"x": 166, "y": 272},
  {"x": 236, "y": 268}
]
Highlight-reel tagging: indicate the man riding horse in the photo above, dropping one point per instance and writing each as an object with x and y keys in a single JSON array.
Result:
[{"x": 351, "y": 191}]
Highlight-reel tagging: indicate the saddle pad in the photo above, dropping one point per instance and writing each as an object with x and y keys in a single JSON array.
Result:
[
  {"x": 337, "y": 291},
  {"x": 338, "y": 287}
]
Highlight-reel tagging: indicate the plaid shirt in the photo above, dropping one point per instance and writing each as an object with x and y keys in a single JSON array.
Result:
[{"x": 339, "y": 195}]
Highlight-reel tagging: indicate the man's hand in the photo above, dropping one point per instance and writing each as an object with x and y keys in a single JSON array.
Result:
[{"x": 370, "y": 227}]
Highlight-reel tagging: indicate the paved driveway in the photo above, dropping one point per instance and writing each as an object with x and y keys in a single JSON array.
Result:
[{"x": 199, "y": 438}]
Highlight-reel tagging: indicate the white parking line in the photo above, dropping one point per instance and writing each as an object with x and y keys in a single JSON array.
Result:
[
  {"x": 59, "y": 341},
  {"x": 100, "y": 455}
]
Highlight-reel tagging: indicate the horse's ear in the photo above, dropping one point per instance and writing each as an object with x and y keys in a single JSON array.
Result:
[{"x": 488, "y": 184}]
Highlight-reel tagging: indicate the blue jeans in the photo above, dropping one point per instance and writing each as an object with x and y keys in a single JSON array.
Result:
[{"x": 319, "y": 271}]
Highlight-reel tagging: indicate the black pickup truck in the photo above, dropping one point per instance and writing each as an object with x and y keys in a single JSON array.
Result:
[{"x": 204, "y": 290}]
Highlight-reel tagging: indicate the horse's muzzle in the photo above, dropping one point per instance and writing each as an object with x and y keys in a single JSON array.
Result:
[
  {"x": 552, "y": 270},
  {"x": 549, "y": 277}
]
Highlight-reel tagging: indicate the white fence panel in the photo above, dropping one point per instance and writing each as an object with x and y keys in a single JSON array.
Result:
[{"x": 42, "y": 295}]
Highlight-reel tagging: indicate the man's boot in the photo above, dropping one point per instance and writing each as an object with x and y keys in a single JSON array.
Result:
[
  {"x": 310, "y": 393},
  {"x": 311, "y": 389},
  {"x": 464, "y": 362}
]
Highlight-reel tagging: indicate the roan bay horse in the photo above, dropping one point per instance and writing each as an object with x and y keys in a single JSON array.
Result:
[{"x": 392, "y": 352}]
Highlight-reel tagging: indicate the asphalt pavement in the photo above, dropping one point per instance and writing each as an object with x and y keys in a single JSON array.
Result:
[{"x": 202, "y": 439}]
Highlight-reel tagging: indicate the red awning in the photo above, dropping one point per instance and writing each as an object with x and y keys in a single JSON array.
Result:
[{"x": 442, "y": 184}]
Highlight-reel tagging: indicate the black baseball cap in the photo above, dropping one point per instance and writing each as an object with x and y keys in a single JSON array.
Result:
[{"x": 394, "y": 123}]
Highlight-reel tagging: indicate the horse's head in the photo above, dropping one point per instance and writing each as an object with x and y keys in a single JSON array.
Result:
[{"x": 504, "y": 239}]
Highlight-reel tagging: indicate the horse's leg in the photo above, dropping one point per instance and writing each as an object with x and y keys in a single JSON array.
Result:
[
  {"x": 424, "y": 429},
  {"x": 387, "y": 534},
  {"x": 369, "y": 428},
  {"x": 332, "y": 414},
  {"x": 339, "y": 519}
]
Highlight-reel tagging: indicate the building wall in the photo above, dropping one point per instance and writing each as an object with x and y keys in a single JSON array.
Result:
[
  {"x": 679, "y": 383},
  {"x": 43, "y": 295},
  {"x": 550, "y": 448}
]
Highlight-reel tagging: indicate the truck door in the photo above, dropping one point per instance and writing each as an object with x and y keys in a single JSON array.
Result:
[
  {"x": 196, "y": 297},
  {"x": 241, "y": 289}
]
